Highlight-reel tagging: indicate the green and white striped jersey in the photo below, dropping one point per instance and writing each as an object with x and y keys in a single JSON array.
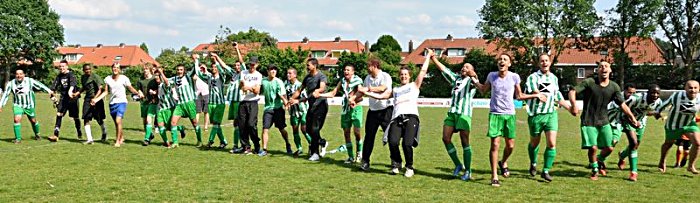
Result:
[
  {"x": 216, "y": 83},
  {"x": 233, "y": 94},
  {"x": 185, "y": 86},
  {"x": 347, "y": 88},
  {"x": 683, "y": 110},
  {"x": 165, "y": 97},
  {"x": 614, "y": 115},
  {"x": 297, "y": 110},
  {"x": 23, "y": 92},
  {"x": 641, "y": 106},
  {"x": 462, "y": 93},
  {"x": 547, "y": 84}
]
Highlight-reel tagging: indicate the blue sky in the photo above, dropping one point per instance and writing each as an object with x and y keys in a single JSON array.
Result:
[{"x": 177, "y": 23}]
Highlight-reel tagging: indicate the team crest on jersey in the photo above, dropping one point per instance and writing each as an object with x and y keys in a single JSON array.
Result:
[
  {"x": 20, "y": 90},
  {"x": 64, "y": 82},
  {"x": 459, "y": 85},
  {"x": 688, "y": 108},
  {"x": 546, "y": 87}
]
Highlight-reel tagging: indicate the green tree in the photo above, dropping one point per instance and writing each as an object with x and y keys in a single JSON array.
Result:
[
  {"x": 629, "y": 18},
  {"x": 538, "y": 26},
  {"x": 144, "y": 47},
  {"x": 357, "y": 60},
  {"x": 389, "y": 56},
  {"x": 250, "y": 36},
  {"x": 679, "y": 22},
  {"x": 169, "y": 58},
  {"x": 29, "y": 31},
  {"x": 283, "y": 59},
  {"x": 385, "y": 41}
]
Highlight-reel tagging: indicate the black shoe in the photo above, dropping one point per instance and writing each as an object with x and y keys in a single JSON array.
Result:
[
  {"x": 80, "y": 137},
  {"x": 533, "y": 170},
  {"x": 496, "y": 183},
  {"x": 223, "y": 146},
  {"x": 364, "y": 166},
  {"x": 602, "y": 169},
  {"x": 37, "y": 137},
  {"x": 683, "y": 162},
  {"x": 545, "y": 175},
  {"x": 151, "y": 138},
  {"x": 182, "y": 134},
  {"x": 145, "y": 143},
  {"x": 237, "y": 150},
  {"x": 504, "y": 170},
  {"x": 210, "y": 144},
  {"x": 104, "y": 138}
]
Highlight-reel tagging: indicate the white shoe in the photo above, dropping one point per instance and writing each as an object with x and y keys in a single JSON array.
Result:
[
  {"x": 409, "y": 173},
  {"x": 349, "y": 161},
  {"x": 395, "y": 171},
  {"x": 359, "y": 157},
  {"x": 314, "y": 157},
  {"x": 323, "y": 150}
]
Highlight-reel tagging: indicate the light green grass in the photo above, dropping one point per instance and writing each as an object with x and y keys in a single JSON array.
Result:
[{"x": 68, "y": 171}]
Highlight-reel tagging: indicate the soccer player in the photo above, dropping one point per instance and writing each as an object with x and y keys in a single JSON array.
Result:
[
  {"x": 149, "y": 104},
  {"x": 459, "y": 115},
  {"x": 65, "y": 83},
  {"x": 248, "y": 108},
  {"x": 116, "y": 84},
  {"x": 380, "y": 110},
  {"x": 641, "y": 105},
  {"x": 233, "y": 95},
  {"x": 185, "y": 97},
  {"x": 596, "y": 132},
  {"x": 314, "y": 84},
  {"x": 681, "y": 120},
  {"x": 543, "y": 115},
  {"x": 273, "y": 112},
  {"x": 404, "y": 119},
  {"x": 297, "y": 112},
  {"x": 503, "y": 85},
  {"x": 215, "y": 81},
  {"x": 351, "y": 114},
  {"x": 22, "y": 89},
  {"x": 92, "y": 86},
  {"x": 166, "y": 106}
]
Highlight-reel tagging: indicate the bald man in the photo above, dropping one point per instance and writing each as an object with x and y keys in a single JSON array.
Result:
[{"x": 681, "y": 120}]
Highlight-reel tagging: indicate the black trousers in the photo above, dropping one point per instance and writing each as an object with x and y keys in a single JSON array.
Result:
[
  {"x": 375, "y": 119},
  {"x": 247, "y": 122},
  {"x": 315, "y": 118},
  {"x": 406, "y": 127}
]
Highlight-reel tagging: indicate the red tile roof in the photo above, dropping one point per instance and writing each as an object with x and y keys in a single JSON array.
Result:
[
  {"x": 642, "y": 50},
  {"x": 131, "y": 55},
  {"x": 354, "y": 46}
]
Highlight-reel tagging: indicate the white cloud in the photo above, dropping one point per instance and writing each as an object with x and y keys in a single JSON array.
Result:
[
  {"x": 183, "y": 5},
  {"x": 458, "y": 20},
  {"x": 91, "y": 9},
  {"x": 339, "y": 25},
  {"x": 274, "y": 19},
  {"x": 117, "y": 26},
  {"x": 420, "y": 19}
]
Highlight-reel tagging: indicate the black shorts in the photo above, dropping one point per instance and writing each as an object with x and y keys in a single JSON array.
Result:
[
  {"x": 96, "y": 112},
  {"x": 71, "y": 106},
  {"x": 202, "y": 104},
  {"x": 275, "y": 116},
  {"x": 684, "y": 143}
]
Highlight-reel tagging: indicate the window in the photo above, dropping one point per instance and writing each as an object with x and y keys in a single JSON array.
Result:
[
  {"x": 603, "y": 52},
  {"x": 337, "y": 53},
  {"x": 581, "y": 73},
  {"x": 438, "y": 52},
  {"x": 455, "y": 52},
  {"x": 117, "y": 58},
  {"x": 318, "y": 54},
  {"x": 71, "y": 57}
]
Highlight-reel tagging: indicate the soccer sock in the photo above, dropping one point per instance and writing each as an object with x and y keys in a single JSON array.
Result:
[
  {"x": 198, "y": 131},
  {"x": 297, "y": 140},
  {"x": 57, "y": 127},
  {"x": 359, "y": 146},
  {"x": 212, "y": 134},
  {"x": 625, "y": 153},
  {"x": 467, "y": 157},
  {"x": 453, "y": 154},
  {"x": 601, "y": 158},
  {"x": 35, "y": 127},
  {"x": 679, "y": 156},
  {"x": 220, "y": 134},
  {"x": 633, "y": 161},
  {"x": 161, "y": 131},
  {"x": 77, "y": 127},
  {"x": 594, "y": 166},
  {"x": 18, "y": 133},
  {"x": 549, "y": 155},
  {"x": 236, "y": 137},
  {"x": 88, "y": 132},
  {"x": 308, "y": 137},
  {"x": 351, "y": 152},
  {"x": 148, "y": 132},
  {"x": 532, "y": 151},
  {"x": 174, "y": 130}
]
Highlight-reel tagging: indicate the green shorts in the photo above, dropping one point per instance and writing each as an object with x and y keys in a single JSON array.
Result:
[
  {"x": 616, "y": 132},
  {"x": 185, "y": 110},
  {"x": 164, "y": 116},
  {"x": 543, "y": 123},
  {"x": 233, "y": 111},
  {"x": 19, "y": 111},
  {"x": 601, "y": 136},
  {"x": 502, "y": 125},
  {"x": 677, "y": 133},
  {"x": 352, "y": 118},
  {"x": 639, "y": 131},
  {"x": 216, "y": 113},
  {"x": 458, "y": 121},
  {"x": 149, "y": 110},
  {"x": 297, "y": 120}
]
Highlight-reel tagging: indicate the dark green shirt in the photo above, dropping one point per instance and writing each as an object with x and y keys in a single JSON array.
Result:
[
  {"x": 596, "y": 99},
  {"x": 91, "y": 85},
  {"x": 145, "y": 85}
]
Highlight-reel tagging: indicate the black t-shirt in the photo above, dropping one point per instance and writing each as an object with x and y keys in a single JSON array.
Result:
[
  {"x": 63, "y": 82},
  {"x": 145, "y": 85},
  {"x": 596, "y": 99},
  {"x": 311, "y": 83},
  {"x": 91, "y": 85}
]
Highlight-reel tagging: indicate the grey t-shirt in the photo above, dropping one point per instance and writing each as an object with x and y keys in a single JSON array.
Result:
[
  {"x": 311, "y": 83},
  {"x": 383, "y": 78},
  {"x": 502, "y": 92}
]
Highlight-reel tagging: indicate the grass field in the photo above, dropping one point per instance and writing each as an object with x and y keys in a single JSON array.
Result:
[{"x": 67, "y": 171}]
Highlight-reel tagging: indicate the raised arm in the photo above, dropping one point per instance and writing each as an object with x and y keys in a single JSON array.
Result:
[
  {"x": 423, "y": 72},
  {"x": 38, "y": 85},
  {"x": 221, "y": 65}
]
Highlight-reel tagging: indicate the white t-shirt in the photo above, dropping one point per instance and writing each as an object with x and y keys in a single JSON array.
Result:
[
  {"x": 251, "y": 79},
  {"x": 201, "y": 86},
  {"x": 405, "y": 100},
  {"x": 117, "y": 88},
  {"x": 383, "y": 78}
]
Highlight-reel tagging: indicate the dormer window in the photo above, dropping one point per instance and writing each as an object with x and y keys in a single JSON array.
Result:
[
  {"x": 455, "y": 52},
  {"x": 318, "y": 54}
]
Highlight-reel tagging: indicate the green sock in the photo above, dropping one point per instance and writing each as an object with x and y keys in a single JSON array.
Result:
[
  {"x": 532, "y": 151},
  {"x": 174, "y": 131},
  {"x": 18, "y": 129},
  {"x": 594, "y": 165},
  {"x": 161, "y": 131},
  {"x": 35, "y": 127},
  {"x": 549, "y": 155},
  {"x": 351, "y": 152},
  {"x": 359, "y": 146},
  {"x": 236, "y": 137},
  {"x": 453, "y": 154},
  {"x": 467, "y": 157},
  {"x": 633, "y": 161},
  {"x": 220, "y": 134},
  {"x": 601, "y": 158},
  {"x": 198, "y": 131},
  {"x": 308, "y": 137},
  {"x": 148, "y": 132},
  {"x": 297, "y": 140},
  {"x": 625, "y": 153},
  {"x": 212, "y": 134}
]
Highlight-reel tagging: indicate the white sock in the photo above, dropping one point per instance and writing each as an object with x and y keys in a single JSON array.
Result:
[{"x": 88, "y": 132}]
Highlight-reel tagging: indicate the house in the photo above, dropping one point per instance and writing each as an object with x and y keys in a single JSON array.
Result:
[
  {"x": 641, "y": 50},
  {"x": 101, "y": 55},
  {"x": 327, "y": 52},
  {"x": 205, "y": 48}
]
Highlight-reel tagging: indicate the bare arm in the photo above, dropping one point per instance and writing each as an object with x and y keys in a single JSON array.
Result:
[
  {"x": 573, "y": 109},
  {"x": 519, "y": 95},
  {"x": 101, "y": 95},
  {"x": 331, "y": 93},
  {"x": 423, "y": 72},
  {"x": 384, "y": 95}
]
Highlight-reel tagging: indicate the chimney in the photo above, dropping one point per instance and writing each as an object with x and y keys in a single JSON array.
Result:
[
  {"x": 305, "y": 40},
  {"x": 99, "y": 45},
  {"x": 337, "y": 39},
  {"x": 366, "y": 47},
  {"x": 449, "y": 37},
  {"x": 410, "y": 46},
  {"x": 121, "y": 45},
  {"x": 77, "y": 46}
]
